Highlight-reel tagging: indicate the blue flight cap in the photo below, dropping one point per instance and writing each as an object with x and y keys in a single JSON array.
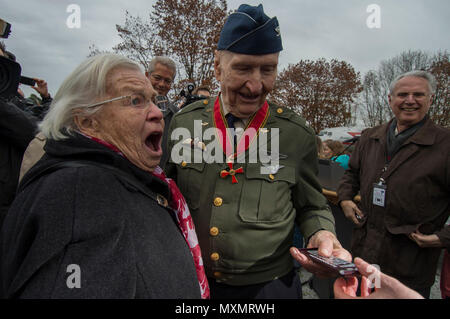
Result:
[{"x": 250, "y": 31}]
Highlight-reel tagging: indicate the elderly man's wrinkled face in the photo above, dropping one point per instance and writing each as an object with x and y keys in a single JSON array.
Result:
[
  {"x": 245, "y": 80},
  {"x": 135, "y": 130},
  {"x": 410, "y": 101}
]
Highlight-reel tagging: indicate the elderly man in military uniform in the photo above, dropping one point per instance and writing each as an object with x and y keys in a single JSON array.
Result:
[{"x": 244, "y": 212}]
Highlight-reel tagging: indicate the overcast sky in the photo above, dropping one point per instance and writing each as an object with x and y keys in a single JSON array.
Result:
[{"x": 311, "y": 29}]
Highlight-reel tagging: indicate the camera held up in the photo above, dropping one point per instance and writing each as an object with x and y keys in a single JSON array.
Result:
[
  {"x": 189, "y": 97},
  {"x": 9, "y": 69}
]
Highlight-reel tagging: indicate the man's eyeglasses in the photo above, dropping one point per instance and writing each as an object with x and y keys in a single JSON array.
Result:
[
  {"x": 415, "y": 95},
  {"x": 135, "y": 100},
  {"x": 159, "y": 78}
]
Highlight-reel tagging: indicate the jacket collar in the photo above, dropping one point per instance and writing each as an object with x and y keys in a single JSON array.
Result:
[{"x": 426, "y": 135}]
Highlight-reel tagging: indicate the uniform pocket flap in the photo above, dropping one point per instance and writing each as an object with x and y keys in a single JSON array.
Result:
[
  {"x": 199, "y": 167},
  {"x": 271, "y": 173}
]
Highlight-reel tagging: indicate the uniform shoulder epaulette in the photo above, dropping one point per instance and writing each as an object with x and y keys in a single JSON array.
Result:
[
  {"x": 201, "y": 104},
  {"x": 291, "y": 116}
]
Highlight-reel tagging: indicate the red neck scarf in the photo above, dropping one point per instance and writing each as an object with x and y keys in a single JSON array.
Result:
[{"x": 257, "y": 121}]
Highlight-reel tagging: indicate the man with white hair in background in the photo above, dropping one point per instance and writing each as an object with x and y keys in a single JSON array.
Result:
[{"x": 161, "y": 72}]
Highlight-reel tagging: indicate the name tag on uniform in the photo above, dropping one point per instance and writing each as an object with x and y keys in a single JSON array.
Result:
[{"x": 379, "y": 194}]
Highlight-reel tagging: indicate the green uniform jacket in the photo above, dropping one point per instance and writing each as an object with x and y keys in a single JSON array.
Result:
[{"x": 245, "y": 229}]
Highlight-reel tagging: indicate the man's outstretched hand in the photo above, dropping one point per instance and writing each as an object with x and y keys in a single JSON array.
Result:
[{"x": 328, "y": 245}]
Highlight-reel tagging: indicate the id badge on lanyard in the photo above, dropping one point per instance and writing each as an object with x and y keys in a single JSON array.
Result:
[{"x": 379, "y": 193}]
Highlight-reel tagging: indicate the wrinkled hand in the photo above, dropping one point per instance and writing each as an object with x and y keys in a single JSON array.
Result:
[
  {"x": 389, "y": 287},
  {"x": 327, "y": 245},
  {"x": 41, "y": 88},
  {"x": 351, "y": 211},
  {"x": 425, "y": 241}
]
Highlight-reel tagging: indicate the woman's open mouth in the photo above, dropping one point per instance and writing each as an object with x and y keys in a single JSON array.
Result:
[{"x": 153, "y": 142}]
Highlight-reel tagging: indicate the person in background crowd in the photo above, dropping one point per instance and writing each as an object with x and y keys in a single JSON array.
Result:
[
  {"x": 402, "y": 170},
  {"x": 97, "y": 212},
  {"x": 244, "y": 217},
  {"x": 161, "y": 72},
  {"x": 202, "y": 90},
  {"x": 333, "y": 150},
  {"x": 32, "y": 154},
  {"x": 37, "y": 110},
  {"x": 17, "y": 129},
  {"x": 40, "y": 110}
]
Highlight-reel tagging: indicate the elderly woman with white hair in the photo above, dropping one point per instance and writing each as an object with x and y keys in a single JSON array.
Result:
[{"x": 96, "y": 217}]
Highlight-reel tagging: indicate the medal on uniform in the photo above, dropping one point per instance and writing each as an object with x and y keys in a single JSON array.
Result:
[
  {"x": 257, "y": 121},
  {"x": 232, "y": 172}
]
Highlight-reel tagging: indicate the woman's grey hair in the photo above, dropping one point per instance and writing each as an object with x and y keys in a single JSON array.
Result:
[
  {"x": 85, "y": 85},
  {"x": 420, "y": 74},
  {"x": 167, "y": 62}
]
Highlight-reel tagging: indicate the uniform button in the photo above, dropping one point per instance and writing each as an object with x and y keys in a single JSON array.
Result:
[
  {"x": 217, "y": 274},
  {"x": 183, "y": 164},
  {"x": 215, "y": 256},
  {"x": 271, "y": 177},
  {"x": 218, "y": 201},
  {"x": 214, "y": 231},
  {"x": 205, "y": 102},
  {"x": 279, "y": 110}
]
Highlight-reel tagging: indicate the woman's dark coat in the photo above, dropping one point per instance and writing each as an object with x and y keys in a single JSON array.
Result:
[{"x": 87, "y": 226}]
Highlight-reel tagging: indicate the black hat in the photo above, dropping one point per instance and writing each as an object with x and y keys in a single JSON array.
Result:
[{"x": 250, "y": 31}]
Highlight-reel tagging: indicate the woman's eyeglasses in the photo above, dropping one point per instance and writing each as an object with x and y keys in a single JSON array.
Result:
[{"x": 135, "y": 100}]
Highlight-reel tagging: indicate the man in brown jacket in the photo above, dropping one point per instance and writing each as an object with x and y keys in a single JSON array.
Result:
[{"x": 402, "y": 170}]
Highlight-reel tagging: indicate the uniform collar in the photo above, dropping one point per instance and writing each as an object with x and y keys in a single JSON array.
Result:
[{"x": 226, "y": 111}]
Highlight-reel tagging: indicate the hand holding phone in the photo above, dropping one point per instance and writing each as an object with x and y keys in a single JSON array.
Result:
[
  {"x": 336, "y": 265},
  {"x": 27, "y": 81}
]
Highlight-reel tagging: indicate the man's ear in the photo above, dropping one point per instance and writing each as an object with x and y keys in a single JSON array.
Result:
[{"x": 217, "y": 71}]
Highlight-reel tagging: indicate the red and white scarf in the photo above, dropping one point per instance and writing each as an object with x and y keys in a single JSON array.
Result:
[
  {"x": 179, "y": 205},
  {"x": 184, "y": 219}
]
